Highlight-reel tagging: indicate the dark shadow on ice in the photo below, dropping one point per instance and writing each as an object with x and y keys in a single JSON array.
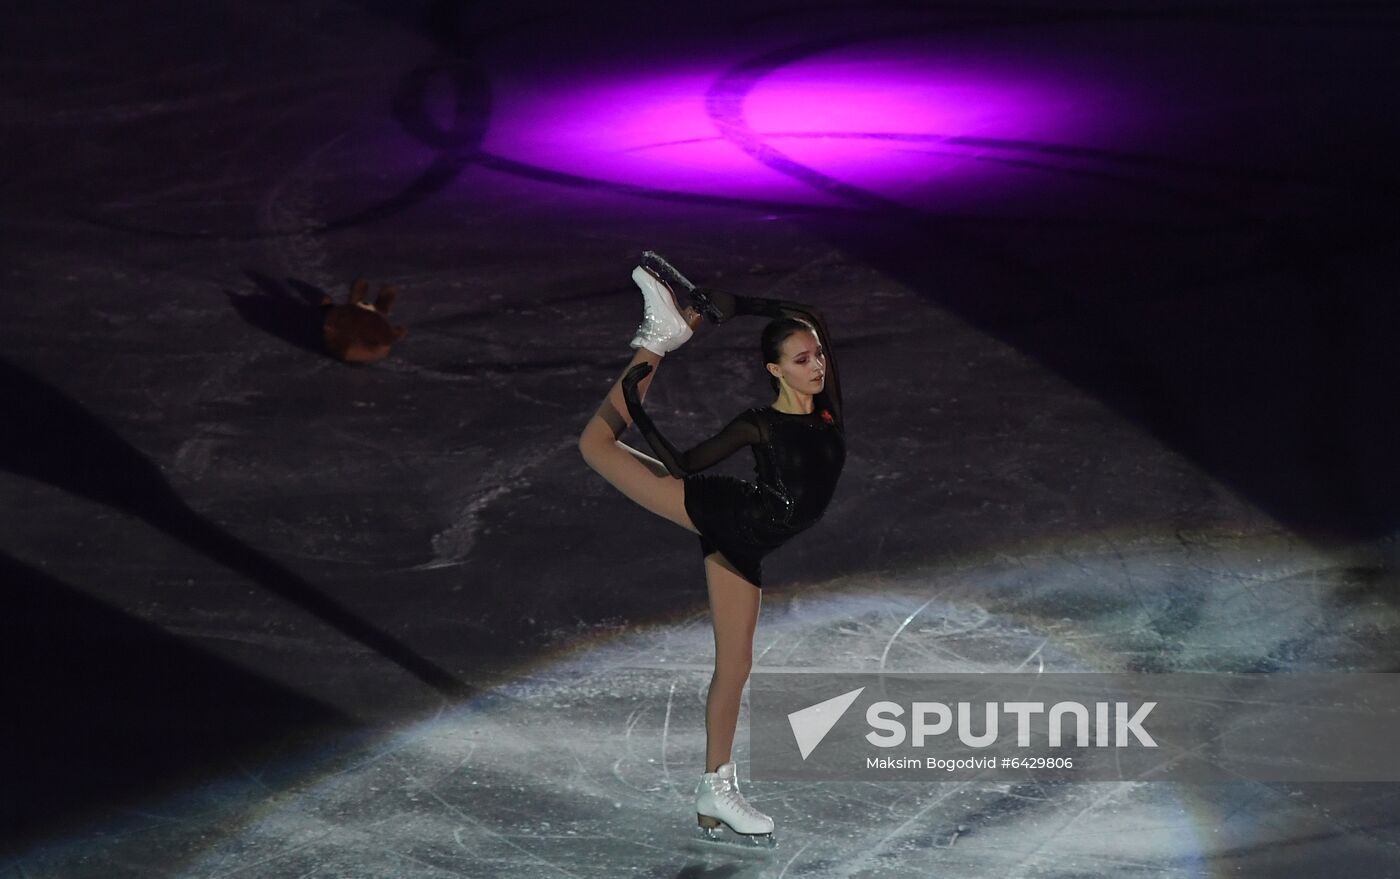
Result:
[
  {"x": 290, "y": 312},
  {"x": 54, "y": 440},
  {"x": 100, "y": 707}
]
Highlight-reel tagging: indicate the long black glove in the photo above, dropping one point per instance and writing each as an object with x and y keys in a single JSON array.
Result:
[
  {"x": 666, "y": 453},
  {"x": 742, "y": 431}
]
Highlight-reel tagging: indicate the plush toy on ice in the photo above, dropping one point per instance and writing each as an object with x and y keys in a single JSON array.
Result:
[{"x": 359, "y": 331}]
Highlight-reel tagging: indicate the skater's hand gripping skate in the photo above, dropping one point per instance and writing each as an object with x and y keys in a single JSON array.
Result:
[{"x": 716, "y": 305}]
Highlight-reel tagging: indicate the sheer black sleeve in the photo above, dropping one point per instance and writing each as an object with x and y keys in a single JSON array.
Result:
[
  {"x": 762, "y": 307},
  {"x": 741, "y": 431}
]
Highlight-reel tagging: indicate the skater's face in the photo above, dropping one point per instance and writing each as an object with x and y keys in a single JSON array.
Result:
[{"x": 802, "y": 365}]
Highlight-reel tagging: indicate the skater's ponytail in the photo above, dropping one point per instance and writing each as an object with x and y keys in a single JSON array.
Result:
[{"x": 774, "y": 335}]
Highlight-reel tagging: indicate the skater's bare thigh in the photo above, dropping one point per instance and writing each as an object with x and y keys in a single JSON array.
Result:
[{"x": 642, "y": 479}]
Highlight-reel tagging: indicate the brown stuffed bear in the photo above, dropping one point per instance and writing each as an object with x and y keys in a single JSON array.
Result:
[{"x": 359, "y": 332}]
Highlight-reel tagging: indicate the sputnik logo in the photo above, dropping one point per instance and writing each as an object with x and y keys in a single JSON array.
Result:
[{"x": 811, "y": 724}]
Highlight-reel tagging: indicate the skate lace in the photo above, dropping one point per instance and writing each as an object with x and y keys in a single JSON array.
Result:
[{"x": 729, "y": 793}]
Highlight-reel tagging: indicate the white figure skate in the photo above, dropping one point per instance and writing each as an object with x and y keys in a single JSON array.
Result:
[
  {"x": 718, "y": 801},
  {"x": 663, "y": 328}
]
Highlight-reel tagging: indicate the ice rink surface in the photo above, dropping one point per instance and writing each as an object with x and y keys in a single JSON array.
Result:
[{"x": 1112, "y": 291}]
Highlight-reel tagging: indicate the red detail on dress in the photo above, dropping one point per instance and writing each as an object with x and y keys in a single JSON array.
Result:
[{"x": 826, "y": 416}]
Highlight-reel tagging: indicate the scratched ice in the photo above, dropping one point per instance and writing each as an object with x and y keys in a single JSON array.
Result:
[
  {"x": 1115, "y": 297},
  {"x": 584, "y": 767}
]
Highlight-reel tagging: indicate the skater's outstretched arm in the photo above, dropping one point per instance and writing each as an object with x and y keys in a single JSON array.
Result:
[
  {"x": 719, "y": 306},
  {"x": 740, "y": 432}
]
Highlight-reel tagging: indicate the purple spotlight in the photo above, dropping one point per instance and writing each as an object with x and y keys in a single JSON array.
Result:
[{"x": 897, "y": 124}]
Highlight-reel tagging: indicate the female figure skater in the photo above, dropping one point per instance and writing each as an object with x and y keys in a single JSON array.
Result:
[{"x": 798, "y": 445}]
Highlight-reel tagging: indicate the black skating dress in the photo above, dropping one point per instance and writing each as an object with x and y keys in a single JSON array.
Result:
[{"x": 797, "y": 458}]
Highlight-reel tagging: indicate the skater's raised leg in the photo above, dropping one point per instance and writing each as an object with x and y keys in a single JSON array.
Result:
[{"x": 636, "y": 475}]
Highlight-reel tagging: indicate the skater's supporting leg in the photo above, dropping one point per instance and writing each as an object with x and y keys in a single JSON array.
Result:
[{"x": 734, "y": 605}]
